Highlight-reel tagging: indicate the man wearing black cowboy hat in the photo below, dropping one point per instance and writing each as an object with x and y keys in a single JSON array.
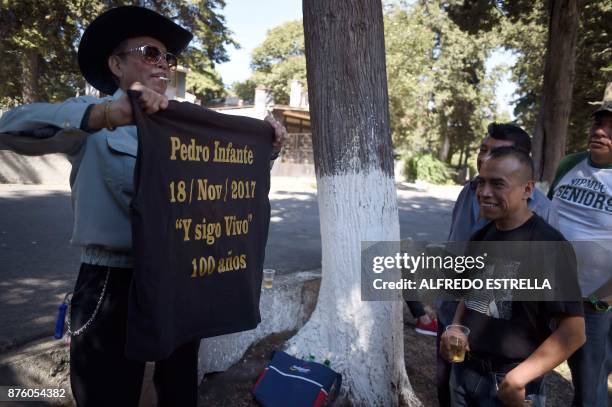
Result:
[{"x": 123, "y": 48}]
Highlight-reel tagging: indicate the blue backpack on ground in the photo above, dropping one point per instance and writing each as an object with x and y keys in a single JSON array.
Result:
[{"x": 288, "y": 381}]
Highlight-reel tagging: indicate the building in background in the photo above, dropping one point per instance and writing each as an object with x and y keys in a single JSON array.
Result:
[
  {"x": 296, "y": 158},
  {"x": 177, "y": 86}
]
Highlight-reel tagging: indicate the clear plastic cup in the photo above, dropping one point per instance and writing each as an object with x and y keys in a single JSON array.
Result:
[
  {"x": 268, "y": 278},
  {"x": 458, "y": 337}
]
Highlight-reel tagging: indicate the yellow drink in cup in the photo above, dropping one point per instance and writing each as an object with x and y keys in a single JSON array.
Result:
[
  {"x": 268, "y": 278},
  {"x": 457, "y": 350},
  {"x": 458, "y": 337}
]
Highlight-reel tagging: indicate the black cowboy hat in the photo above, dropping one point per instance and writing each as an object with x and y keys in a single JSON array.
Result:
[{"x": 107, "y": 31}]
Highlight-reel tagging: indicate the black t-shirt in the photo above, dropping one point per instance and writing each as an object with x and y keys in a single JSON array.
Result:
[
  {"x": 509, "y": 331},
  {"x": 200, "y": 217}
]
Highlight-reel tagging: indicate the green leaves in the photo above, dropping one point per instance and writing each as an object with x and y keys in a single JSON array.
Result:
[
  {"x": 39, "y": 40},
  {"x": 283, "y": 42},
  {"x": 440, "y": 97},
  {"x": 428, "y": 168},
  {"x": 244, "y": 90},
  {"x": 280, "y": 59},
  {"x": 593, "y": 68},
  {"x": 525, "y": 31}
]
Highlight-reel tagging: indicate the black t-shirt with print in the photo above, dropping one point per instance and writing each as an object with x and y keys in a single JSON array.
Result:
[
  {"x": 200, "y": 218},
  {"x": 510, "y": 331}
]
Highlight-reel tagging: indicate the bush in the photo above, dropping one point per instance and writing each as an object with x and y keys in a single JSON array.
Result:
[{"x": 428, "y": 168}]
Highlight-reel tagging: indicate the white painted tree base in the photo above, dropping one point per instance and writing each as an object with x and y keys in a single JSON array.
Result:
[
  {"x": 362, "y": 339},
  {"x": 294, "y": 294}
]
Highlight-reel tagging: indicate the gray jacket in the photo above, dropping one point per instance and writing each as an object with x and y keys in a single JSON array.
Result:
[{"x": 102, "y": 171}]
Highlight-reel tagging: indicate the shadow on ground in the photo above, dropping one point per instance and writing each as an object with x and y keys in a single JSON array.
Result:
[
  {"x": 37, "y": 263},
  {"x": 294, "y": 238}
]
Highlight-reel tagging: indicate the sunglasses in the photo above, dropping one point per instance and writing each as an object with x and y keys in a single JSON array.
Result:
[{"x": 153, "y": 55}]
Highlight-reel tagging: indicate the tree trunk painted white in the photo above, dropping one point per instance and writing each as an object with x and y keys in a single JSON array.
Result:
[
  {"x": 362, "y": 339},
  {"x": 347, "y": 89}
]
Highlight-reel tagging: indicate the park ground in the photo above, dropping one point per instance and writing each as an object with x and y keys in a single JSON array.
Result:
[{"x": 39, "y": 266}]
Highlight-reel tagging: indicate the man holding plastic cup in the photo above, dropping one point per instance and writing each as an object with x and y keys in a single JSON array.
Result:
[{"x": 488, "y": 331}]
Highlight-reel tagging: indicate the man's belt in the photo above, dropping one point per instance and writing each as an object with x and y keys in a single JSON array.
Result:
[{"x": 485, "y": 365}]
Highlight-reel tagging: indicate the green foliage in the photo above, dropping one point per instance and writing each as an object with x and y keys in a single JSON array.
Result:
[
  {"x": 244, "y": 90},
  {"x": 282, "y": 42},
  {"x": 523, "y": 25},
  {"x": 440, "y": 96},
  {"x": 593, "y": 69},
  {"x": 39, "y": 40},
  {"x": 474, "y": 16},
  {"x": 526, "y": 33},
  {"x": 427, "y": 167},
  {"x": 205, "y": 83},
  {"x": 208, "y": 46},
  {"x": 279, "y": 59},
  {"x": 408, "y": 44}
]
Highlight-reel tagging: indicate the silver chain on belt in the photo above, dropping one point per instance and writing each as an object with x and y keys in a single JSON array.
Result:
[{"x": 93, "y": 315}]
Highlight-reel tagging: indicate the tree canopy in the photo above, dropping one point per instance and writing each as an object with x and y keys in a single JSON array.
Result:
[
  {"x": 39, "y": 40},
  {"x": 593, "y": 69},
  {"x": 441, "y": 95},
  {"x": 524, "y": 28},
  {"x": 279, "y": 59}
]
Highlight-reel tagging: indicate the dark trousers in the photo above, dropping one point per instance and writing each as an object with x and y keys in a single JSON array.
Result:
[
  {"x": 100, "y": 374},
  {"x": 416, "y": 308},
  {"x": 592, "y": 363},
  {"x": 476, "y": 388}
]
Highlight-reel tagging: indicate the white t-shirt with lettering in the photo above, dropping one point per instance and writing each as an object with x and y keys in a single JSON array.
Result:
[{"x": 583, "y": 200}]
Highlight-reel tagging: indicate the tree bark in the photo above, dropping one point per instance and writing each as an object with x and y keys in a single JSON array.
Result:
[
  {"x": 553, "y": 118},
  {"x": 347, "y": 89},
  {"x": 443, "y": 152},
  {"x": 30, "y": 90}
]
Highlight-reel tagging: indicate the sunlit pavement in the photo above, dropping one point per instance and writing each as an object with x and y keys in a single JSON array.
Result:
[{"x": 38, "y": 265}]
